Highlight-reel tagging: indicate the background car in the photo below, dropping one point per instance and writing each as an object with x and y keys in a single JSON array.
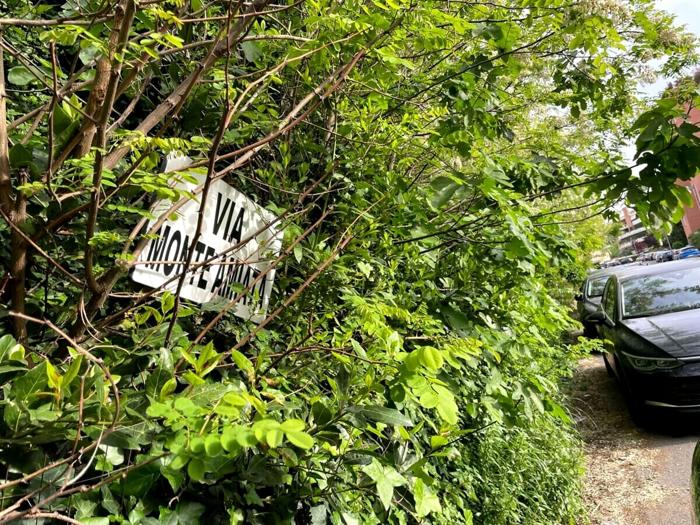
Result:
[
  {"x": 651, "y": 316},
  {"x": 664, "y": 256},
  {"x": 588, "y": 301}
]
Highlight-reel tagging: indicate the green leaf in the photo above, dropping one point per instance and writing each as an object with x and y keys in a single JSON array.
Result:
[
  {"x": 16, "y": 353},
  {"x": 318, "y": 514},
  {"x": 447, "y": 409},
  {"x": 112, "y": 455},
  {"x": 53, "y": 377},
  {"x": 292, "y": 425},
  {"x": 20, "y": 76},
  {"x": 274, "y": 437},
  {"x": 212, "y": 445},
  {"x": 438, "y": 441},
  {"x": 94, "y": 521},
  {"x": 233, "y": 438},
  {"x": 380, "y": 414},
  {"x": 179, "y": 462},
  {"x": 189, "y": 513},
  {"x": 197, "y": 445},
  {"x": 251, "y": 51},
  {"x": 445, "y": 188},
  {"x": 6, "y": 342},
  {"x": 72, "y": 372},
  {"x": 21, "y": 156},
  {"x": 446, "y": 405},
  {"x": 321, "y": 413},
  {"x": 386, "y": 478},
  {"x": 300, "y": 439},
  {"x": 196, "y": 469},
  {"x": 426, "y": 500},
  {"x": 168, "y": 388},
  {"x": 268, "y": 431},
  {"x": 431, "y": 357},
  {"x": 242, "y": 362},
  {"x": 167, "y": 301}
]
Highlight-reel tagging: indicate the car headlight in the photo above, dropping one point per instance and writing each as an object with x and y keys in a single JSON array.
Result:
[{"x": 651, "y": 364}]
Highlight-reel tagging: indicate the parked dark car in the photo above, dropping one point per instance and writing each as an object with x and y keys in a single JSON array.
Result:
[
  {"x": 663, "y": 256},
  {"x": 651, "y": 316},
  {"x": 695, "y": 483},
  {"x": 588, "y": 301}
]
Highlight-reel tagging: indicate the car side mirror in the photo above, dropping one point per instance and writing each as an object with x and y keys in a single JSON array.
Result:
[
  {"x": 578, "y": 297},
  {"x": 598, "y": 317}
]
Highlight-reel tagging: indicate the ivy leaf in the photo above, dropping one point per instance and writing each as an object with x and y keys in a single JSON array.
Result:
[
  {"x": 94, "y": 521},
  {"x": 386, "y": 478},
  {"x": 112, "y": 455},
  {"x": 196, "y": 469},
  {"x": 426, "y": 500}
]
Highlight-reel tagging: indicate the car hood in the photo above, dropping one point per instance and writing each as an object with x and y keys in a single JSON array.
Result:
[
  {"x": 595, "y": 300},
  {"x": 677, "y": 334}
]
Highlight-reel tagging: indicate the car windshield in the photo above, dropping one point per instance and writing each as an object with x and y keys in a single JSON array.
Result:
[
  {"x": 661, "y": 294},
  {"x": 596, "y": 286}
]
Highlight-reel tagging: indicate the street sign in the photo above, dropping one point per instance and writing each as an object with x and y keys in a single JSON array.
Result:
[{"x": 235, "y": 228}]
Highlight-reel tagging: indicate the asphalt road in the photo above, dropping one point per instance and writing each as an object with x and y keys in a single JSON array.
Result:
[{"x": 634, "y": 476}]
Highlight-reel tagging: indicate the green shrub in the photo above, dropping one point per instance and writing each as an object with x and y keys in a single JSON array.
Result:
[
  {"x": 439, "y": 172},
  {"x": 694, "y": 239}
]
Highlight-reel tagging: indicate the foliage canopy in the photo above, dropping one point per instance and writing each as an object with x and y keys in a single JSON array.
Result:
[{"x": 430, "y": 162}]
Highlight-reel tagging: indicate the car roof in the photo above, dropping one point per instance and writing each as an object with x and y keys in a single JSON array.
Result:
[
  {"x": 612, "y": 270},
  {"x": 660, "y": 268}
]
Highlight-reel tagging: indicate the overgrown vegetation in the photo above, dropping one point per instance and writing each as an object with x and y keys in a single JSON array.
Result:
[
  {"x": 695, "y": 239},
  {"x": 439, "y": 170}
]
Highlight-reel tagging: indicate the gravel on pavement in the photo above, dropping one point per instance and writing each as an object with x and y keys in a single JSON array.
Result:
[{"x": 633, "y": 476}]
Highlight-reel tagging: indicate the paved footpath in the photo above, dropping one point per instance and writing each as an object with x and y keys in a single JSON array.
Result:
[{"x": 634, "y": 476}]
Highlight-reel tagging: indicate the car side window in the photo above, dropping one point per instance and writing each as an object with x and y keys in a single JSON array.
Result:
[{"x": 609, "y": 300}]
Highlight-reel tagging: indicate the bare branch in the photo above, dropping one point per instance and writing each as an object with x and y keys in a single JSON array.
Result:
[{"x": 5, "y": 181}]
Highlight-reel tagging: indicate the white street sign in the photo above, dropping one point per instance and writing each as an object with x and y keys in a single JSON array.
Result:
[{"x": 229, "y": 219}]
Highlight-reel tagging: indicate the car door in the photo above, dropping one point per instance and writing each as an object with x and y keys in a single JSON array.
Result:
[{"x": 607, "y": 329}]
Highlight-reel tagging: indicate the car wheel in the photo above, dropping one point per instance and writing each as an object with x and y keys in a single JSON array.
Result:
[
  {"x": 637, "y": 409},
  {"x": 639, "y": 413},
  {"x": 589, "y": 331}
]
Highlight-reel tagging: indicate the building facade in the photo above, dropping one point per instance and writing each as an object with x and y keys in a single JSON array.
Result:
[
  {"x": 634, "y": 238},
  {"x": 691, "y": 218}
]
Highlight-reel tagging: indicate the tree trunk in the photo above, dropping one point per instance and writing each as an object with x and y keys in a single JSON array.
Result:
[{"x": 16, "y": 213}]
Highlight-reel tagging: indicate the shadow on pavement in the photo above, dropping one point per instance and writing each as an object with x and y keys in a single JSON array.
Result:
[
  {"x": 634, "y": 476},
  {"x": 596, "y": 394}
]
